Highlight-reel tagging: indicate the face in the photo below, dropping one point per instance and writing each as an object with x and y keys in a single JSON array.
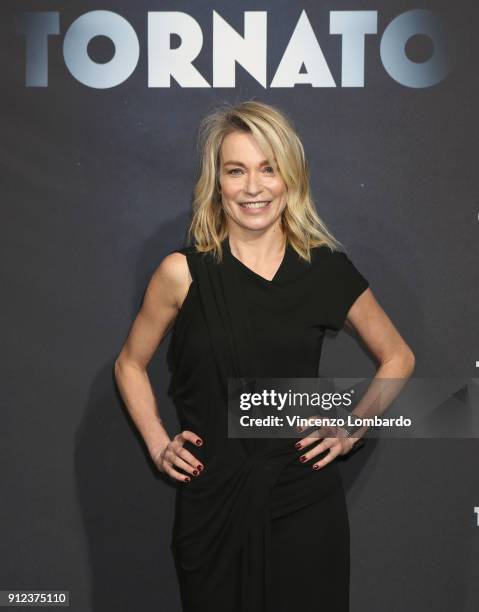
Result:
[{"x": 253, "y": 192}]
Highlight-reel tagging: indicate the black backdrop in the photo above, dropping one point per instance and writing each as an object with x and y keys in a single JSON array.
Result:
[{"x": 96, "y": 188}]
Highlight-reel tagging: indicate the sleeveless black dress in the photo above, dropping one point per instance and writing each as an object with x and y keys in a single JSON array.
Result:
[{"x": 235, "y": 323}]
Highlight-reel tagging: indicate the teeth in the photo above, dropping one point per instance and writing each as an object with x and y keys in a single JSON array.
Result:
[{"x": 254, "y": 204}]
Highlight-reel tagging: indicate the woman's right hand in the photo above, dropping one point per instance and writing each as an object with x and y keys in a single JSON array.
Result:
[{"x": 174, "y": 455}]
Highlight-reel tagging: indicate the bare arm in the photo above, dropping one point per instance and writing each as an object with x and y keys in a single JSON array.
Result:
[
  {"x": 394, "y": 357},
  {"x": 163, "y": 298},
  {"x": 395, "y": 361}
]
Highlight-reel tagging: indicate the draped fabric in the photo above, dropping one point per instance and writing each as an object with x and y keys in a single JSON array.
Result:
[{"x": 236, "y": 324}]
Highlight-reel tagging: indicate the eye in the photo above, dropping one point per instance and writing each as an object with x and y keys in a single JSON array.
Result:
[{"x": 269, "y": 169}]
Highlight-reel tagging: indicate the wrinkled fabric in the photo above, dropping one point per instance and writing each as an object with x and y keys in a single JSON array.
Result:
[{"x": 236, "y": 324}]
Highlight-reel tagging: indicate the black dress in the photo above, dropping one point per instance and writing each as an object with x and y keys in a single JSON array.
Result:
[{"x": 257, "y": 526}]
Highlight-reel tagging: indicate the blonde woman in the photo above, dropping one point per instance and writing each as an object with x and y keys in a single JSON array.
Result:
[{"x": 259, "y": 526}]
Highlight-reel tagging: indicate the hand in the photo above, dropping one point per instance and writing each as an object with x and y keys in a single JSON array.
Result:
[
  {"x": 337, "y": 445},
  {"x": 175, "y": 455}
]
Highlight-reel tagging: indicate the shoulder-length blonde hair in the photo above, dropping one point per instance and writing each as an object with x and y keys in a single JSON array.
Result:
[{"x": 283, "y": 149}]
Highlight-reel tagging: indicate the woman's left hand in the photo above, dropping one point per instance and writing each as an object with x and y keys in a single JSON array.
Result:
[{"x": 337, "y": 445}]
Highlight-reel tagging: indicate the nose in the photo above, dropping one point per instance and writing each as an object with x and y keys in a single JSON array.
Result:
[{"x": 253, "y": 185}]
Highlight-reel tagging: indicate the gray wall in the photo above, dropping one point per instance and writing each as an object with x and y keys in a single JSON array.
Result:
[{"x": 96, "y": 188}]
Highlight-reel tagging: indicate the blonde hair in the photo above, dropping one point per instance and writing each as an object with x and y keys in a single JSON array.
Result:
[{"x": 276, "y": 136}]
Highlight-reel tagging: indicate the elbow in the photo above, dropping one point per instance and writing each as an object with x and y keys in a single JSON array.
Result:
[
  {"x": 402, "y": 362},
  {"x": 116, "y": 367},
  {"x": 408, "y": 361},
  {"x": 123, "y": 364}
]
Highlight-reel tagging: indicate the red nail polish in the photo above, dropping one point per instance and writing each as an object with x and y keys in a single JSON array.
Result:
[
  {"x": 187, "y": 479},
  {"x": 198, "y": 442},
  {"x": 200, "y": 467},
  {"x": 315, "y": 467},
  {"x": 195, "y": 472},
  {"x": 298, "y": 445},
  {"x": 302, "y": 458}
]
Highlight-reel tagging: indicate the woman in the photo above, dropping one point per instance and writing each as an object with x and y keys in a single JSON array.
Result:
[{"x": 260, "y": 525}]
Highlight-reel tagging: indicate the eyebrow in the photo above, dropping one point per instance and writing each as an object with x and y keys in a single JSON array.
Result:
[{"x": 238, "y": 163}]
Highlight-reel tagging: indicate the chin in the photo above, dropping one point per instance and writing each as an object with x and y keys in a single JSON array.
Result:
[{"x": 257, "y": 225}]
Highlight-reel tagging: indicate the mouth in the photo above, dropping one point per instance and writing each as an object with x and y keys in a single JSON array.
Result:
[{"x": 255, "y": 204}]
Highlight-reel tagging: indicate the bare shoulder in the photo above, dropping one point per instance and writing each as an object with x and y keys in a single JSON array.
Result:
[
  {"x": 163, "y": 297},
  {"x": 171, "y": 279},
  {"x": 174, "y": 269}
]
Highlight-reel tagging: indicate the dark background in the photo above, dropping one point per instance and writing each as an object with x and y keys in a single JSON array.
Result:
[{"x": 96, "y": 188}]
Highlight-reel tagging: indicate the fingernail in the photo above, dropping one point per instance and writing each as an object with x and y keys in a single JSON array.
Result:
[
  {"x": 200, "y": 467},
  {"x": 187, "y": 479},
  {"x": 198, "y": 442},
  {"x": 315, "y": 467},
  {"x": 298, "y": 444},
  {"x": 302, "y": 458},
  {"x": 195, "y": 472}
]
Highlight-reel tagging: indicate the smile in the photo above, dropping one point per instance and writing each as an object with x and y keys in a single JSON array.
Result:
[{"x": 254, "y": 204}]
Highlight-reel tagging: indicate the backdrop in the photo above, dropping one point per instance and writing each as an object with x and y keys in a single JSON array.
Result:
[{"x": 99, "y": 110}]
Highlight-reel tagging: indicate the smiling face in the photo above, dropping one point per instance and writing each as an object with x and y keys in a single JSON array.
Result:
[{"x": 253, "y": 192}]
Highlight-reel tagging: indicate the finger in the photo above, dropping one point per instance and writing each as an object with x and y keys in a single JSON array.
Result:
[
  {"x": 325, "y": 431},
  {"x": 185, "y": 454},
  {"x": 175, "y": 456},
  {"x": 190, "y": 436},
  {"x": 318, "y": 449},
  {"x": 333, "y": 453},
  {"x": 315, "y": 421},
  {"x": 308, "y": 440},
  {"x": 321, "y": 433},
  {"x": 176, "y": 475},
  {"x": 181, "y": 463}
]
